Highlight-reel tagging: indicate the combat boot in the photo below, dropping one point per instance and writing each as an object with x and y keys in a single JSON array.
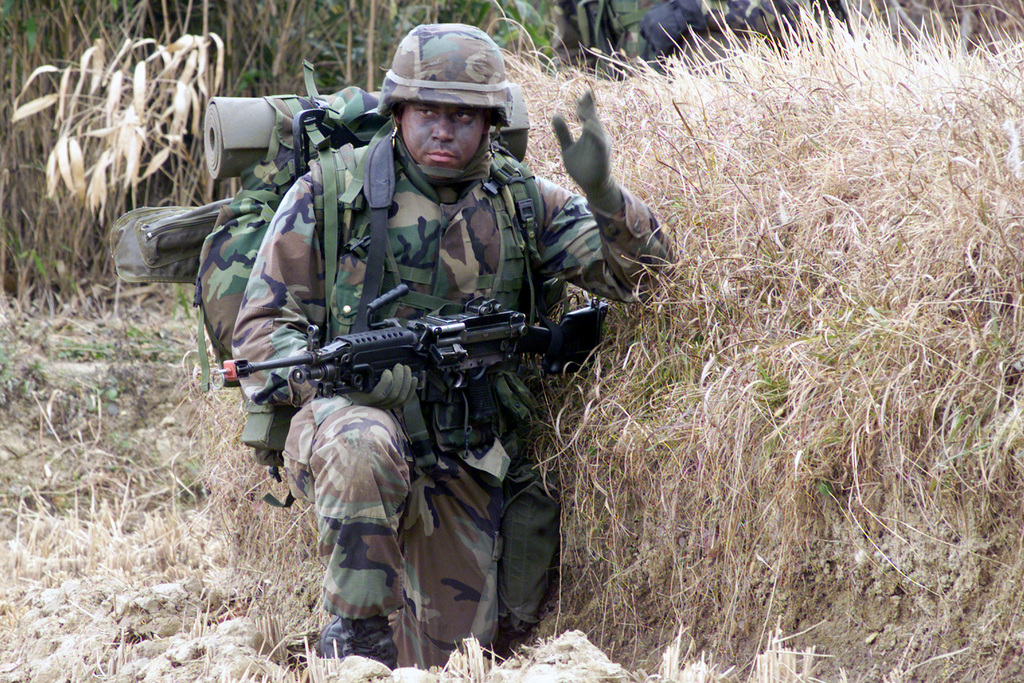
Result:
[{"x": 371, "y": 638}]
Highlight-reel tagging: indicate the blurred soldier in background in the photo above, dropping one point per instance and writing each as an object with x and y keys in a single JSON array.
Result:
[{"x": 588, "y": 30}]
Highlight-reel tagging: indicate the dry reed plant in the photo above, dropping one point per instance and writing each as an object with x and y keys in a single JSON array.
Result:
[
  {"x": 822, "y": 397},
  {"x": 121, "y": 118}
]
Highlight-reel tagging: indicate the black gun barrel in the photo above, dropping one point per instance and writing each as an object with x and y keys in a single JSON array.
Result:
[{"x": 243, "y": 368}]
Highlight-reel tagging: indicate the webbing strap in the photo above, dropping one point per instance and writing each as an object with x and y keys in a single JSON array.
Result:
[
  {"x": 379, "y": 189},
  {"x": 424, "y": 302},
  {"x": 329, "y": 169},
  {"x": 527, "y": 204},
  {"x": 272, "y": 500},
  {"x": 308, "y": 70},
  {"x": 204, "y": 359},
  {"x": 419, "y": 438}
]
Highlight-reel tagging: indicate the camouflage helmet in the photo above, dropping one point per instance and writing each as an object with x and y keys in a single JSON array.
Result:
[{"x": 448, "y": 64}]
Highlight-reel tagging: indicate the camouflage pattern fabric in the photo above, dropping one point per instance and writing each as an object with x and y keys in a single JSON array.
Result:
[
  {"x": 448, "y": 64},
  {"x": 582, "y": 27},
  {"x": 459, "y": 244},
  {"x": 395, "y": 537},
  {"x": 229, "y": 251},
  {"x": 381, "y": 525}
]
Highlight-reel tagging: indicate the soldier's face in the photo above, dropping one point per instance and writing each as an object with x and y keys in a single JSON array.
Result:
[{"x": 441, "y": 134}]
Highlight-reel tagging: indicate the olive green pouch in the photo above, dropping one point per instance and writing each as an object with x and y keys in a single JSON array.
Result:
[
  {"x": 266, "y": 429},
  {"x": 161, "y": 244},
  {"x": 530, "y": 534}
]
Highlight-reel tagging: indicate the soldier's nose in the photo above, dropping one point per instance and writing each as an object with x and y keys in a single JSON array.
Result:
[{"x": 443, "y": 129}]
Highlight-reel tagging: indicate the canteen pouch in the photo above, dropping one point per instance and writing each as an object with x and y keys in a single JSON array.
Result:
[
  {"x": 266, "y": 429},
  {"x": 530, "y": 540}
]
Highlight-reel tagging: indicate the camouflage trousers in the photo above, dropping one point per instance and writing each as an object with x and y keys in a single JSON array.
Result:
[{"x": 392, "y": 538}]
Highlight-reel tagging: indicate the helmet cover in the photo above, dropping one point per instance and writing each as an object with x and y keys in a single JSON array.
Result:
[{"x": 448, "y": 64}]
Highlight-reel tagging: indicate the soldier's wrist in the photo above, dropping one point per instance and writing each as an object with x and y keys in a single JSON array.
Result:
[{"x": 607, "y": 199}]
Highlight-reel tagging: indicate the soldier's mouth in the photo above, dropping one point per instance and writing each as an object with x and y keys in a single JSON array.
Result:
[{"x": 439, "y": 157}]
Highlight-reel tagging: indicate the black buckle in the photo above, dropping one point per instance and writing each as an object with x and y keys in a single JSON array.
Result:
[{"x": 300, "y": 141}]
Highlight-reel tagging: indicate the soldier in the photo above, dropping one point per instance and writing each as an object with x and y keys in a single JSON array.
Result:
[
  {"x": 411, "y": 546},
  {"x": 587, "y": 29}
]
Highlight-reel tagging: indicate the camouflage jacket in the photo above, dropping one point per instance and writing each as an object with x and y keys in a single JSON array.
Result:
[{"x": 462, "y": 245}]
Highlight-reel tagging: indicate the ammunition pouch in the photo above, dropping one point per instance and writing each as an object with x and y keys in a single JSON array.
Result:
[{"x": 464, "y": 417}]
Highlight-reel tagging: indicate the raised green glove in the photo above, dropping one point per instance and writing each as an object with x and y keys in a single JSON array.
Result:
[
  {"x": 588, "y": 159},
  {"x": 396, "y": 386}
]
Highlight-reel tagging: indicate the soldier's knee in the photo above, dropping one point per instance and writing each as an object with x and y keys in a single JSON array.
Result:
[{"x": 357, "y": 443}]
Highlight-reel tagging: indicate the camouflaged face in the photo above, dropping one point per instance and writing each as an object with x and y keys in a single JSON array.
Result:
[{"x": 448, "y": 64}]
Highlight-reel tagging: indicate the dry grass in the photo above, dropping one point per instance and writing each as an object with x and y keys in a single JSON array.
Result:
[
  {"x": 102, "y": 102},
  {"x": 276, "y": 548},
  {"x": 828, "y": 373},
  {"x": 815, "y": 427},
  {"x": 121, "y": 118}
]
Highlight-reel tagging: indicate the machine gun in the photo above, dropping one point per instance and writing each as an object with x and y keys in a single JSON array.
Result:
[{"x": 452, "y": 349}]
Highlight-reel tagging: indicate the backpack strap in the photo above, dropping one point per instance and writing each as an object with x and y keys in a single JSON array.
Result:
[
  {"x": 308, "y": 72},
  {"x": 519, "y": 180},
  {"x": 379, "y": 190}
]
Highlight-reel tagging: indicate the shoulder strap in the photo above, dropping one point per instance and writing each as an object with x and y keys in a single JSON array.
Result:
[
  {"x": 518, "y": 179},
  {"x": 308, "y": 76},
  {"x": 329, "y": 171},
  {"x": 379, "y": 190}
]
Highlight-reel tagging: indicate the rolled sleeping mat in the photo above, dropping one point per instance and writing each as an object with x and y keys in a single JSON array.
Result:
[{"x": 229, "y": 147}]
